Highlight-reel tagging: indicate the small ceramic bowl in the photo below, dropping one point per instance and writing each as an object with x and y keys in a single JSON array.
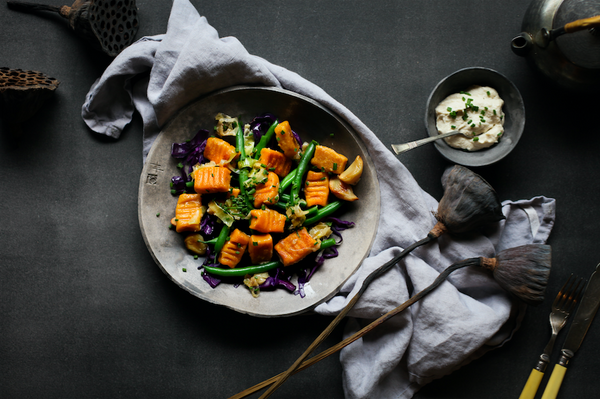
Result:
[{"x": 513, "y": 108}]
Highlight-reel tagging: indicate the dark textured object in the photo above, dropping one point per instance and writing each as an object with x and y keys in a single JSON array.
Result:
[
  {"x": 110, "y": 25},
  {"x": 469, "y": 202},
  {"x": 22, "y": 93}
]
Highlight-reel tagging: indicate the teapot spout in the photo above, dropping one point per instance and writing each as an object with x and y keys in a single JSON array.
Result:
[{"x": 521, "y": 44}]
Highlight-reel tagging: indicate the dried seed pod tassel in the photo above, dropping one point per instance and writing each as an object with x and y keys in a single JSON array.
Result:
[
  {"x": 110, "y": 25},
  {"x": 522, "y": 271},
  {"x": 469, "y": 202}
]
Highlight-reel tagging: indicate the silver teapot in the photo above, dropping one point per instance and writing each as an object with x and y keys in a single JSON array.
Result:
[{"x": 561, "y": 39}]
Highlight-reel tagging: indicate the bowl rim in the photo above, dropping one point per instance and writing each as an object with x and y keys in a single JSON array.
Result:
[{"x": 474, "y": 158}]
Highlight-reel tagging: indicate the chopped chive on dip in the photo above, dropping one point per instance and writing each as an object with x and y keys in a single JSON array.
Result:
[
  {"x": 476, "y": 138},
  {"x": 452, "y": 127}
]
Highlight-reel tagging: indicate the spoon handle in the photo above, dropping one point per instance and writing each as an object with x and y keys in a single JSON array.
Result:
[
  {"x": 582, "y": 24},
  {"x": 400, "y": 148}
]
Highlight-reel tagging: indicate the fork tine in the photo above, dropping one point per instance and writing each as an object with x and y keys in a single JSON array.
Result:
[{"x": 561, "y": 294}]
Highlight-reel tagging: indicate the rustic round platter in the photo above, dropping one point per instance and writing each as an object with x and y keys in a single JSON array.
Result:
[{"x": 311, "y": 121}]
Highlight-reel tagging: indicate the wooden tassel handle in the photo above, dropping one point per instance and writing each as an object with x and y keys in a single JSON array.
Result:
[{"x": 582, "y": 24}]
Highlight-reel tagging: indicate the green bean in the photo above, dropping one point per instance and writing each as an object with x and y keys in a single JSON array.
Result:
[
  {"x": 210, "y": 242},
  {"x": 312, "y": 210},
  {"x": 328, "y": 243},
  {"x": 287, "y": 180},
  {"x": 239, "y": 142},
  {"x": 301, "y": 170},
  {"x": 264, "y": 140},
  {"x": 221, "y": 239},
  {"x": 242, "y": 271},
  {"x": 323, "y": 212}
]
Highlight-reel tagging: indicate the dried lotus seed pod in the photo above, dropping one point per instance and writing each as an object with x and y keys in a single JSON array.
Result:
[
  {"x": 22, "y": 93},
  {"x": 110, "y": 25},
  {"x": 469, "y": 202}
]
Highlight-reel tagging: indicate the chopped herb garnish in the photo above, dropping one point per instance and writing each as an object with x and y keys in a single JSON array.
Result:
[
  {"x": 476, "y": 138},
  {"x": 334, "y": 166},
  {"x": 449, "y": 109},
  {"x": 452, "y": 127}
]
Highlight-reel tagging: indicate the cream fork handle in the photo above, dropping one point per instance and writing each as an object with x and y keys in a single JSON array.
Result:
[
  {"x": 532, "y": 384},
  {"x": 555, "y": 381}
]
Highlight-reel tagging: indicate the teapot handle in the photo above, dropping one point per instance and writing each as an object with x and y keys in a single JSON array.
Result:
[{"x": 582, "y": 24}]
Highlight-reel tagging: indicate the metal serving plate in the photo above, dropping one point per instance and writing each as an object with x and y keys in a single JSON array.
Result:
[{"x": 311, "y": 121}]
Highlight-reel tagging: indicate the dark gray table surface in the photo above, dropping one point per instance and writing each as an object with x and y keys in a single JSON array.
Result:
[{"x": 85, "y": 312}]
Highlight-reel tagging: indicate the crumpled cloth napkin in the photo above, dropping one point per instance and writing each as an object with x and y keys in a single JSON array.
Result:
[{"x": 458, "y": 322}]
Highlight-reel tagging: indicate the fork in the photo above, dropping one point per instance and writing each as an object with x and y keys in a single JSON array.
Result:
[{"x": 565, "y": 302}]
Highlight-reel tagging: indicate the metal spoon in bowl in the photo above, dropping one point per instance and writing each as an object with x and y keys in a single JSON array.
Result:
[{"x": 400, "y": 148}]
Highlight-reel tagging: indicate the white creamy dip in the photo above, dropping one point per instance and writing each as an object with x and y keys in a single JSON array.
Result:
[{"x": 476, "y": 112}]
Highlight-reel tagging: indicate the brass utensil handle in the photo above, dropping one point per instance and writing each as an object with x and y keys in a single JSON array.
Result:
[
  {"x": 400, "y": 148},
  {"x": 532, "y": 385},
  {"x": 582, "y": 24}
]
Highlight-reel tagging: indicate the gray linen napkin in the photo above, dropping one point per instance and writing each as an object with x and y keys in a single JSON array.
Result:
[{"x": 461, "y": 320}]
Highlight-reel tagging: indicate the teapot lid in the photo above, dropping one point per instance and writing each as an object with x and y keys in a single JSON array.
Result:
[{"x": 581, "y": 48}]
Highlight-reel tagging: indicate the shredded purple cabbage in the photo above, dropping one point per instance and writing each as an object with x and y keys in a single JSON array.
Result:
[
  {"x": 208, "y": 225},
  {"x": 279, "y": 279},
  {"x": 261, "y": 124},
  {"x": 178, "y": 185},
  {"x": 191, "y": 152},
  {"x": 211, "y": 280},
  {"x": 338, "y": 223}
]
